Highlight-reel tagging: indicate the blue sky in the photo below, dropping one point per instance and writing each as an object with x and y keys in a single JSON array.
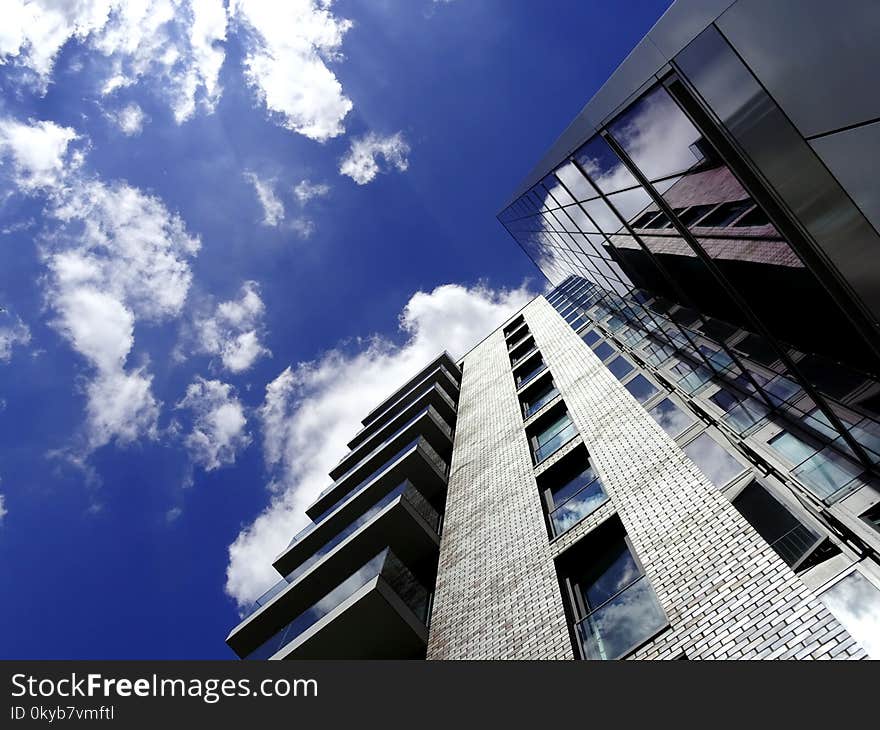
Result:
[{"x": 228, "y": 230}]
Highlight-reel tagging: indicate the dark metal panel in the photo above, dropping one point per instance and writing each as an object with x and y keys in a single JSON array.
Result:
[
  {"x": 852, "y": 156},
  {"x": 683, "y": 22},
  {"x": 817, "y": 58},
  {"x": 787, "y": 162}
]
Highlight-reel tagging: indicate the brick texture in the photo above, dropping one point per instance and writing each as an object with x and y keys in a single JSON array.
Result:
[{"x": 725, "y": 591}]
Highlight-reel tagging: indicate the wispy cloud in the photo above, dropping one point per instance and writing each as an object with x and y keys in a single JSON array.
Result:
[
  {"x": 130, "y": 119},
  {"x": 273, "y": 208},
  {"x": 176, "y": 46},
  {"x": 361, "y": 163},
  {"x": 305, "y": 190},
  {"x": 13, "y": 333}
]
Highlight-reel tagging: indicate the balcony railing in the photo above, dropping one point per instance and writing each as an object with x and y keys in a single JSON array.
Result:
[
  {"x": 532, "y": 375},
  {"x": 622, "y": 623},
  {"x": 531, "y": 408},
  {"x": 795, "y": 544},
  {"x": 555, "y": 442},
  {"x": 361, "y": 485},
  {"x": 408, "y": 492},
  {"x": 517, "y": 360},
  {"x": 380, "y": 446},
  {"x": 578, "y": 506},
  {"x": 384, "y": 565}
]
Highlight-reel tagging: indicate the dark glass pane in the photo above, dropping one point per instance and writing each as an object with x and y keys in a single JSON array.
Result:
[
  {"x": 641, "y": 388},
  {"x": 725, "y": 214},
  {"x": 603, "y": 350},
  {"x": 591, "y": 337},
  {"x": 612, "y": 571},
  {"x": 620, "y": 367},
  {"x": 764, "y": 512}
]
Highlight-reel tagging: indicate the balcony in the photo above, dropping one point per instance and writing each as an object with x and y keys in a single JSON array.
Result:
[
  {"x": 406, "y": 525},
  {"x": 383, "y": 463},
  {"x": 517, "y": 333},
  {"x": 432, "y": 396},
  {"x": 440, "y": 377},
  {"x": 378, "y": 611},
  {"x": 426, "y": 423},
  {"x": 308, "y": 549}
]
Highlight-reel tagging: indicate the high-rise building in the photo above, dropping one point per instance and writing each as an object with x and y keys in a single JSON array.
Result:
[{"x": 674, "y": 453}]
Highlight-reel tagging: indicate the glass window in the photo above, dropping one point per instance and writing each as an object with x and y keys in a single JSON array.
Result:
[
  {"x": 657, "y": 136},
  {"x": 694, "y": 213},
  {"x": 618, "y": 607},
  {"x": 591, "y": 337},
  {"x": 725, "y": 214},
  {"x": 671, "y": 418},
  {"x": 740, "y": 413},
  {"x": 577, "y": 184},
  {"x": 789, "y": 537},
  {"x": 603, "y": 351},
  {"x": 530, "y": 369},
  {"x": 756, "y": 217},
  {"x": 620, "y": 367},
  {"x": 603, "y": 166},
  {"x": 824, "y": 472},
  {"x": 855, "y": 601},
  {"x": 714, "y": 461},
  {"x": 572, "y": 491},
  {"x": 538, "y": 396},
  {"x": 641, "y": 388},
  {"x": 549, "y": 436}
]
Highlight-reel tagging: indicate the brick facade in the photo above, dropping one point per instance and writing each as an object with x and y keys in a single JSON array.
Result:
[{"x": 725, "y": 592}]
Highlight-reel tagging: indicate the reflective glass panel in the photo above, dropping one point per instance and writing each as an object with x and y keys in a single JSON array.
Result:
[
  {"x": 641, "y": 388},
  {"x": 671, "y": 418},
  {"x": 714, "y": 461}
]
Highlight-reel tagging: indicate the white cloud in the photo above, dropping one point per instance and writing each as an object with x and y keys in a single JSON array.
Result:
[
  {"x": 116, "y": 256},
  {"x": 304, "y": 227},
  {"x": 273, "y": 208},
  {"x": 38, "y": 151},
  {"x": 13, "y": 333},
  {"x": 306, "y": 191},
  {"x": 3, "y": 510},
  {"x": 176, "y": 44},
  {"x": 121, "y": 407},
  {"x": 288, "y": 47},
  {"x": 130, "y": 119},
  {"x": 218, "y": 433},
  {"x": 361, "y": 162},
  {"x": 310, "y": 411},
  {"x": 234, "y": 330}
]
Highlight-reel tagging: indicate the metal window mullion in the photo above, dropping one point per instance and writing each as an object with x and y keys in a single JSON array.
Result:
[
  {"x": 740, "y": 302},
  {"x": 660, "y": 267}
]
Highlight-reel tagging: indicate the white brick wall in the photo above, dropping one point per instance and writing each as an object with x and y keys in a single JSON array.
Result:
[{"x": 726, "y": 593}]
